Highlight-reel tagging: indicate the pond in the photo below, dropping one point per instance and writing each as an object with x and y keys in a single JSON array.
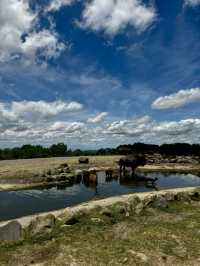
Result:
[{"x": 16, "y": 204}]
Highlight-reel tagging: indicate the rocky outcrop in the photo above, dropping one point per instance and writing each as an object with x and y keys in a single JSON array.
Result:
[
  {"x": 11, "y": 232},
  {"x": 42, "y": 224},
  {"x": 59, "y": 174},
  {"x": 157, "y": 158}
]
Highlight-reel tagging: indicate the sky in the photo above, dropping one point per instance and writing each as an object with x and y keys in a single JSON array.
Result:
[{"x": 99, "y": 73}]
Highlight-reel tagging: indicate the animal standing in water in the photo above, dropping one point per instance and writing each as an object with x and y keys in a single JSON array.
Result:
[{"x": 132, "y": 161}]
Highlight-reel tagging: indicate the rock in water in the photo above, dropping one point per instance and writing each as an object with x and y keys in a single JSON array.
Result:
[{"x": 11, "y": 232}]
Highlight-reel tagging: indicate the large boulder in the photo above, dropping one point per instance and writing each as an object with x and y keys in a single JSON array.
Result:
[
  {"x": 42, "y": 224},
  {"x": 83, "y": 160},
  {"x": 11, "y": 232}
]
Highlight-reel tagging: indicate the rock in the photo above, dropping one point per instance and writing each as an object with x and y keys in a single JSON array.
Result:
[
  {"x": 83, "y": 160},
  {"x": 42, "y": 224},
  {"x": 161, "y": 202},
  {"x": 139, "y": 208},
  {"x": 63, "y": 165},
  {"x": 60, "y": 170},
  {"x": 140, "y": 256},
  {"x": 69, "y": 218},
  {"x": 127, "y": 214},
  {"x": 67, "y": 170},
  {"x": 169, "y": 196},
  {"x": 195, "y": 196},
  {"x": 11, "y": 232},
  {"x": 121, "y": 209},
  {"x": 125, "y": 260},
  {"x": 78, "y": 172},
  {"x": 180, "y": 251},
  {"x": 96, "y": 220},
  {"x": 106, "y": 212},
  {"x": 182, "y": 196},
  {"x": 50, "y": 179},
  {"x": 62, "y": 177}
]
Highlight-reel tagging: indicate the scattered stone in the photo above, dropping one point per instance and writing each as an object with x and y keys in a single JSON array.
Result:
[
  {"x": 140, "y": 256},
  {"x": 42, "y": 224},
  {"x": 83, "y": 160},
  {"x": 96, "y": 220},
  {"x": 72, "y": 221},
  {"x": 120, "y": 209},
  {"x": 169, "y": 196},
  {"x": 161, "y": 202},
  {"x": 127, "y": 214},
  {"x": 195, "y": 196},
  {"x": 180, "y": 251},
  {"x": 69, "y": 218},
  {"x": 63, "y": 165},
  {"x": 11, "y": 232},
  {"x": 106, "y": 212},
  {"x": 125, "y": 260},
  {"x": 78, "y": 172},
  {"x": 139, "y": 208}
]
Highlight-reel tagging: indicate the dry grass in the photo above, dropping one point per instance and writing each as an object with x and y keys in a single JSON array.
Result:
[
  {"x": 173, "y": 238},
  {"x": 33, "y": 167},
  {"x": 30, "y": 169}
]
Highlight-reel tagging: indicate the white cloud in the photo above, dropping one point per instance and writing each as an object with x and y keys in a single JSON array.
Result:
[
  {"x": 31, "y": 122},
  {"x": 178, "y": 99},
  {"x": 111, "y": 16},
  {"x": 78, "y": 134},
  {"x": 62, "y": 126},
  {"x": 35, "y": 110},
  {"x": 148, "y": 130},
  {"x": 97, "y": 119},
  {"x": 18, "y": 35},
  {"x": 192, "y": 3},
  {"x": 57, "y": 4},
  {"x": 44, "y": 43},
  {"x": 133, "y": 127}
]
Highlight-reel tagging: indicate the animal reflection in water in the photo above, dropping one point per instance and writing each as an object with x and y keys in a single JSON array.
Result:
[{"x": 90, "y": 179}]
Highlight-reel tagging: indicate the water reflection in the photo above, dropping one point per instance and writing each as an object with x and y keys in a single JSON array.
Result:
[{"x": 82, "y": 189}]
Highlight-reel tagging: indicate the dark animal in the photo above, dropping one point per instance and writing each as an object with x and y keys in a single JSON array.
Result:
[
  {"x": 109, "y": 173},
  {"x": 132, "y": 161},
  {"x": 83, "y": 160}
]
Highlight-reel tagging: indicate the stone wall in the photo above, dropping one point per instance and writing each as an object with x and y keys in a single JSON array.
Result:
[
  {"x": 132, "y": 204},
  {"x": 157, "y": 158}
]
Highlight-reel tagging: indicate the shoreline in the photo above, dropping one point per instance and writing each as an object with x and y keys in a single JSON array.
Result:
[
  {"x": 88, "y": 206},
  {"x": 157, "y": 168}
]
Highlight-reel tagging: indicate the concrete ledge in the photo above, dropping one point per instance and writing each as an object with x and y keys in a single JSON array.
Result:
[{"x": 169, "y": 195}]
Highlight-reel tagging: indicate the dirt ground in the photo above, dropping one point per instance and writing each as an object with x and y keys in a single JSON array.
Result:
[
  {"x": 32, "y": 167},
  {"x": 156, "y": 237},
  {"x": 28, "y": 170}
]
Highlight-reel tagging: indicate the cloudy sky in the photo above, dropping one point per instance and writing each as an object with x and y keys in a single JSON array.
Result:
[{"x": 99, "y": 73}]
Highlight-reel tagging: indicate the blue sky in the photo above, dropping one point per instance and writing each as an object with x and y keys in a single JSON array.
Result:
[{"x": 99, "y": 73}]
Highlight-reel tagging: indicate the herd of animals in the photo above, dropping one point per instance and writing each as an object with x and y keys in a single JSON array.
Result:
[{"x": 90, "y": 177}]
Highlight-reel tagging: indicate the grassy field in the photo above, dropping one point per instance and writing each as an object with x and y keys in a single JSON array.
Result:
[
  {"x": 156, "y": 237},
  {"x": 32, "y": 167}
]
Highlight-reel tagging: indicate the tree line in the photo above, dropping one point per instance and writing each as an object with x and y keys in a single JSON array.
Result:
[{"x": 60, "y": 149}]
